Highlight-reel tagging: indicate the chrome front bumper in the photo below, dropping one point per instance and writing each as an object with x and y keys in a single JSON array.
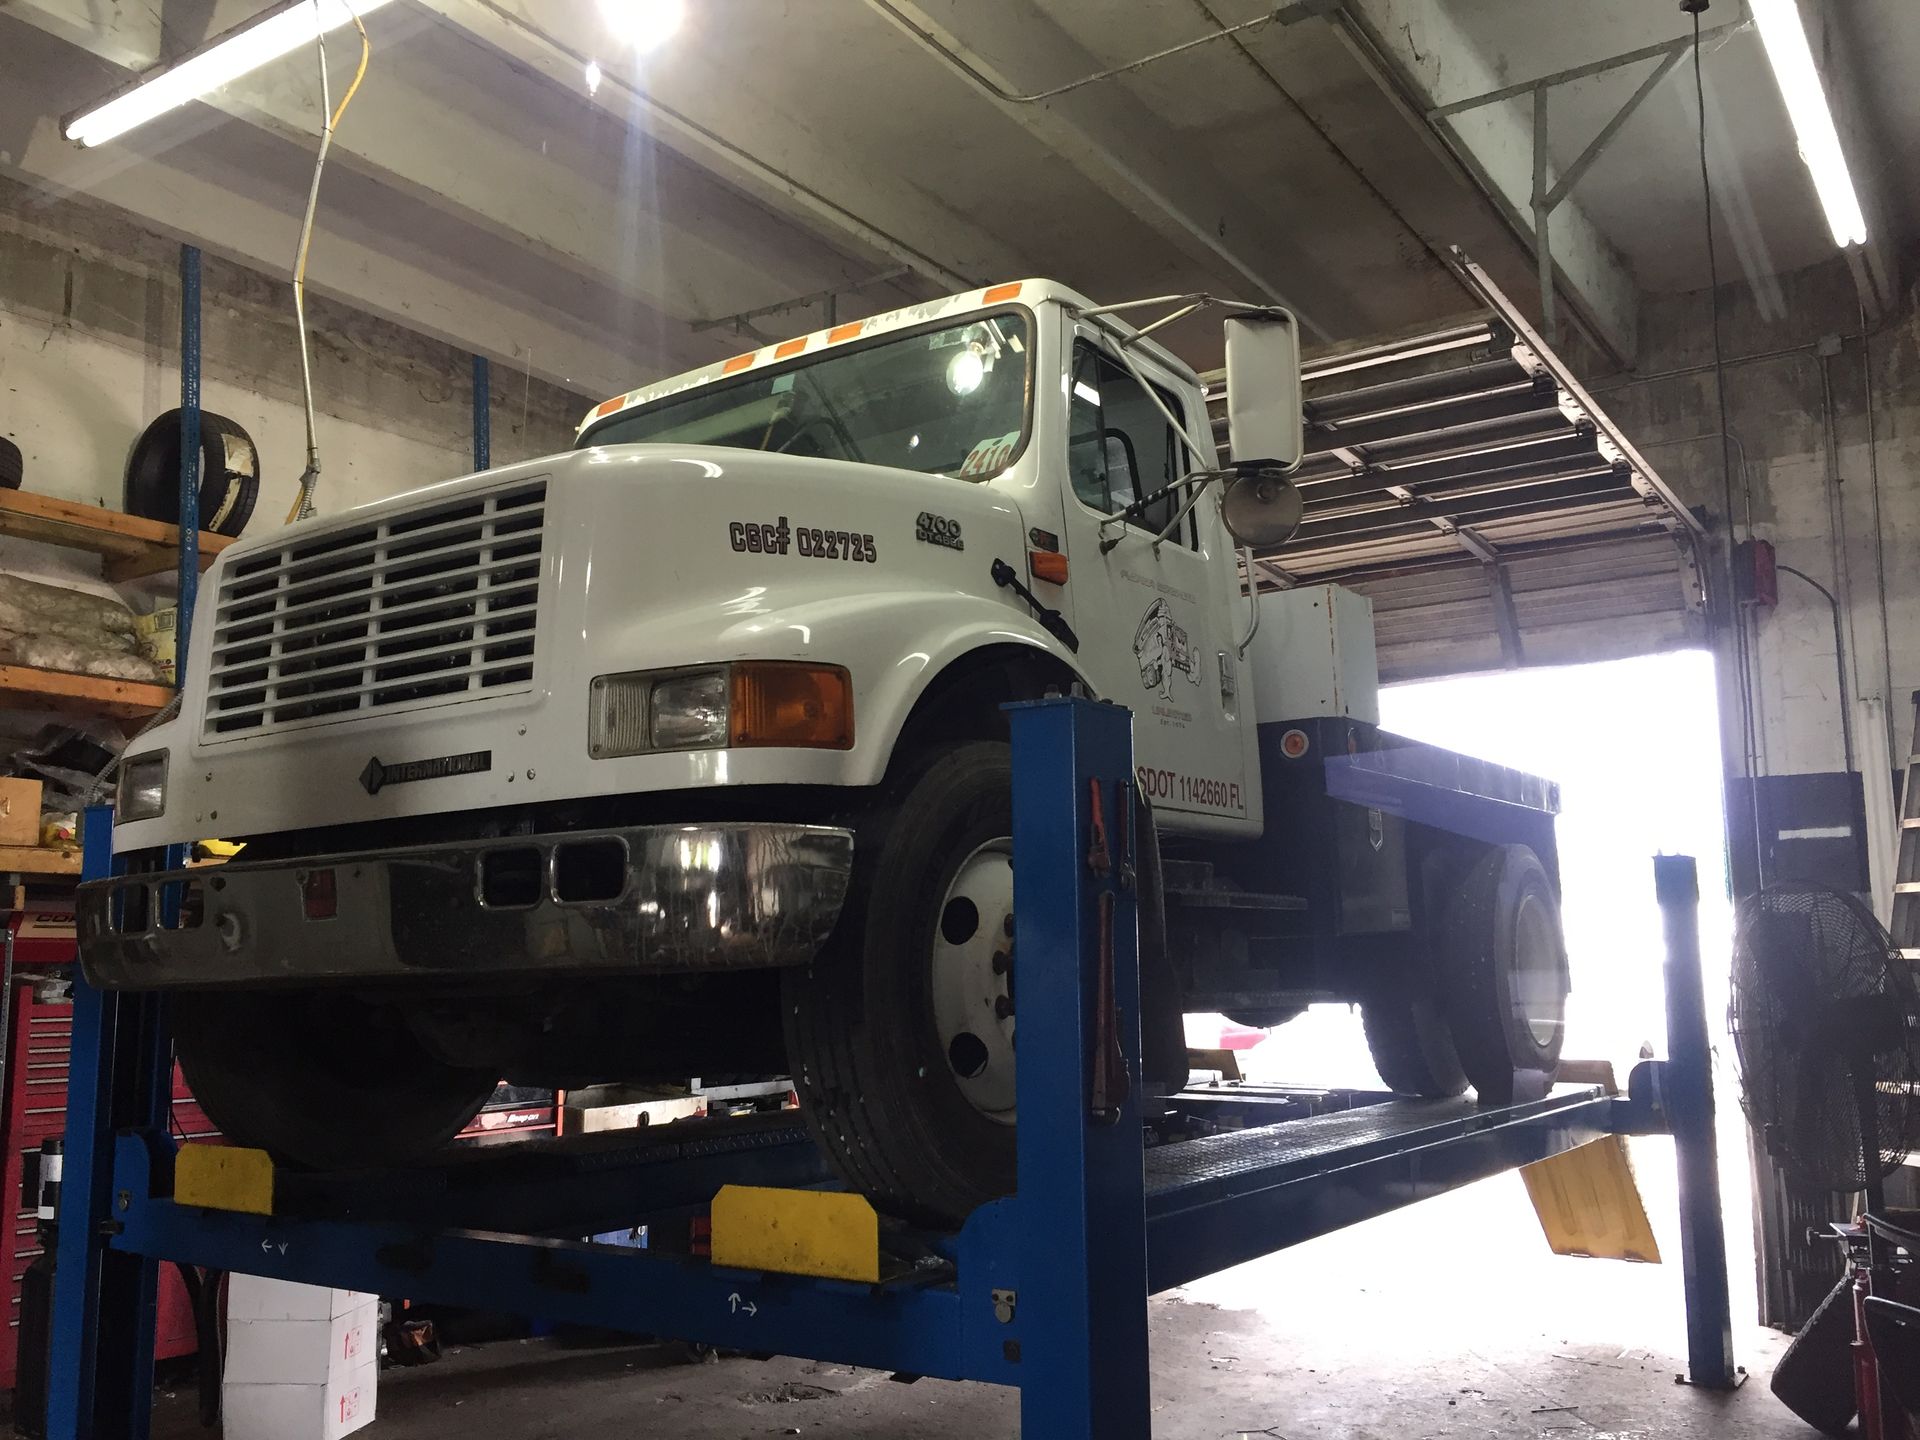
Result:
[{"x": 651, "y": 899}]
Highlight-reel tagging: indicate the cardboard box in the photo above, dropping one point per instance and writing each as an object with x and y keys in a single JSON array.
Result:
[
  {"x": 158, "y": 641},
  {"x": 302, "y": 1352},
  {"x": 300, "y": 1412},
  {"x": 254, "y": 1297},
  {"x": 19, "y": 811}
]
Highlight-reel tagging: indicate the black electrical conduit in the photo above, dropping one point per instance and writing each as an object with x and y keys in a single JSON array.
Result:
[{"x": 1839, "y": 656}]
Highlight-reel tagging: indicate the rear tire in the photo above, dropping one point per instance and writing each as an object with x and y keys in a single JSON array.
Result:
[
  {"x": 1504, "y": 971},
  {"x": 321, "y": 1080},
  {"x": 1412, "y": 1047}
]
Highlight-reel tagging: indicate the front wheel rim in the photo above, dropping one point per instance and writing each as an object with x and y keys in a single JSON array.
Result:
[{"x": 972, "y": 979}]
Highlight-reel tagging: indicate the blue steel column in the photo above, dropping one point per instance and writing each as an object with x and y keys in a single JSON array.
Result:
[
  {"x": 104, "y": 1302},
  {"x": 189, "y": 455},
  {"x": 119, "y": 1075},
  {"x": 482, "y": 413},
  {"x": 1689, "y": 1104},
  {"x": 1082, "y": 1296}
]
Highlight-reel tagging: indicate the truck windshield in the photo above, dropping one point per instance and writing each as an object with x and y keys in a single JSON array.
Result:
[{"x": 951, "y": 401}]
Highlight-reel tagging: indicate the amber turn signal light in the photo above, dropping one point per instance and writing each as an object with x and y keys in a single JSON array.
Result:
[
  {"x": 1048, "y": 565},
  {"x": 777, "y": 702}
]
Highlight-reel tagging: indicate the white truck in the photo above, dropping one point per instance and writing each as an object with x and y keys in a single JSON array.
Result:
[{"x": 682, "y": 752}]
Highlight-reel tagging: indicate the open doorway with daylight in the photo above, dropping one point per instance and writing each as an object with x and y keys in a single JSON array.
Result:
[{"x": 1635, "y": 747}]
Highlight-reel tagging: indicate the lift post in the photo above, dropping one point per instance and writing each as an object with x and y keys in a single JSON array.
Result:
[
  {"x": 1688, "y": 1103},
  {"x": 1045, "y": 1290}
]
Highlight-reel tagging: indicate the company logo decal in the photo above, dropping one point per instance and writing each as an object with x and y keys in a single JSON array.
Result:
[
  {"x": 377, "y": 776},
  {"x": 1162, "y": 647}
]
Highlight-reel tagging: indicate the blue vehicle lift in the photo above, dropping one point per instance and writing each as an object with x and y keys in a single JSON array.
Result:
[{"x": 1045, "y": 1290}]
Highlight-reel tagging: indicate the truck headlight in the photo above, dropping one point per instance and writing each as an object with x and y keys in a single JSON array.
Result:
[
  {"x": 689, "y": 712},
  {"x": 142, "y": 792},
  {"x": 752, "y": 703}
]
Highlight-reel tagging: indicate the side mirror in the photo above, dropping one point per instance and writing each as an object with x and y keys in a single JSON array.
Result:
[
  {"x": 1262, "y": 508},
  {"x": 1265, "y": 430}
]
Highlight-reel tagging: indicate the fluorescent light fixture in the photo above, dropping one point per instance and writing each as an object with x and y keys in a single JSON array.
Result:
[
  {"x": 274, "y": 32},
  {"x": 643, "y": 24},
  {"x": 1785, "y": 38}
]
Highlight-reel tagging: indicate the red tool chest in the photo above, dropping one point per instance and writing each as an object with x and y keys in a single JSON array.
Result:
[{"x": 34, "y": 1105}]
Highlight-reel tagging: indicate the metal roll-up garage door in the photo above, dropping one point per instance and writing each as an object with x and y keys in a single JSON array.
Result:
[{"x": 1466, "y": 482}]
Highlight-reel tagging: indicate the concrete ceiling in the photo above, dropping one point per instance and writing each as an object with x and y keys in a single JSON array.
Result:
[
  {"x": 781, "y": 148},
  {"x": 1644, "y": 191}
]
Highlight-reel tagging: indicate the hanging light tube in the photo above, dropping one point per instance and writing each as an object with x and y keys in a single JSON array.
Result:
[
  {"x": 277, "y": 31},
  {"x": 1785, "y": 38}
]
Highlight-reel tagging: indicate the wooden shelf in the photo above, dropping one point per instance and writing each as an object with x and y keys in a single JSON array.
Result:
[
  {"x": 23, "y": 687},
  {"x": 36, "y": 860},
  {"x": 131, "y": 546}
]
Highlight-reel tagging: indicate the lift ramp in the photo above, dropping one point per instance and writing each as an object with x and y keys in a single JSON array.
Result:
[{"x": 1044, "y": 1290}]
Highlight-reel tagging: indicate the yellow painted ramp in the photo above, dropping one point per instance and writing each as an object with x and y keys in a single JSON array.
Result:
[{"x": 1589, "y": 1203}]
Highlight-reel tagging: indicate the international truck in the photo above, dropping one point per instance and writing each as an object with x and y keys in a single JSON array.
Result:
[{"x": 684, "y": 752}]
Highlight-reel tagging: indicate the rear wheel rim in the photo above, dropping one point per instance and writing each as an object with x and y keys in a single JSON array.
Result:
[
  {"x": 972, "y": 979},
  {"x": 1537, "y": 987}
]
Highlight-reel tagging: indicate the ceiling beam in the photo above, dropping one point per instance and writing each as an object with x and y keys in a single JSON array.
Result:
[
  {"x": 1420, "y": 48},
  {"x": 554, "y": 183},
  {"x": 1105, "y": 134},
  {"x": 550, "y": 322},
  {"x": 697, "y": 107}
]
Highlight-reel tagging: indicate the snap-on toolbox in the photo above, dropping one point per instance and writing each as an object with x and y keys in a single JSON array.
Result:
[{"x": 34, "y": 1105}]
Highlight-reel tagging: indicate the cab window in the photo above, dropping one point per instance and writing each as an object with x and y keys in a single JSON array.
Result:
[{"x": 1120, "y": 446}]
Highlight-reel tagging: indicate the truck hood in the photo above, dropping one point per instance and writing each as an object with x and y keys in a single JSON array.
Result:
[
  {"x": 750, "y": 548},
  {"x": 649, "y": 557}
]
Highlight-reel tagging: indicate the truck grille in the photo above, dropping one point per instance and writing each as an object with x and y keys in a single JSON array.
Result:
[{"x": 427, "y": 608}]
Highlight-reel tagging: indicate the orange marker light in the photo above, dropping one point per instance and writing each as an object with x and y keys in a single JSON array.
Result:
[
  {"x": 1002, "y": 292},
  {"x": 789, "y": 347},
  {"x": 778, "y": 702},
  {"x": 1048, "y": 565},
  {"x": 845, "y": 332},
  {"x": 737, "y": 364},
  {"x": 607, "y": 407}
]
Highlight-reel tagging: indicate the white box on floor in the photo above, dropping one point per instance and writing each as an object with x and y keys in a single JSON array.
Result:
[
  {"x": 302, "y": 1352},
  {"x": 255, "y": 1297},
  {"x": 300, "y": 1412}
]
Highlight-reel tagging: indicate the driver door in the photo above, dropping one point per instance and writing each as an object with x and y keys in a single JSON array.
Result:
[{"x": 1154, "y": 614}]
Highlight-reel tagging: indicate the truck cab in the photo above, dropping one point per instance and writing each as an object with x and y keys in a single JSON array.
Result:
[
  {"x": 1059, "y": 419},
  {"x": 683, "y": 752}
]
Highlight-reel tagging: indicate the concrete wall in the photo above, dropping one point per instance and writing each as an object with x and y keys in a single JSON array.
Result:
[
  {"x": 89, "y": 355},
  {"x": 89, "y": 326},
  {"x": 1841, "y": 508}
]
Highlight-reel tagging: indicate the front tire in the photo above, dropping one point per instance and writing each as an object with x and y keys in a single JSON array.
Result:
[
  {"x": 322, "y": 1080},
  {"x": 900, "y": 1051}
]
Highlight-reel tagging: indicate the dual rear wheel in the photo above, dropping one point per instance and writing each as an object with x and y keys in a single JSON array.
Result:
[{"x": 1486, "y": 1005}]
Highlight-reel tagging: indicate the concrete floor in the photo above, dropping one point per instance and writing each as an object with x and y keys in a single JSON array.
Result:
[{"x": 1449, "y": 1319}]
